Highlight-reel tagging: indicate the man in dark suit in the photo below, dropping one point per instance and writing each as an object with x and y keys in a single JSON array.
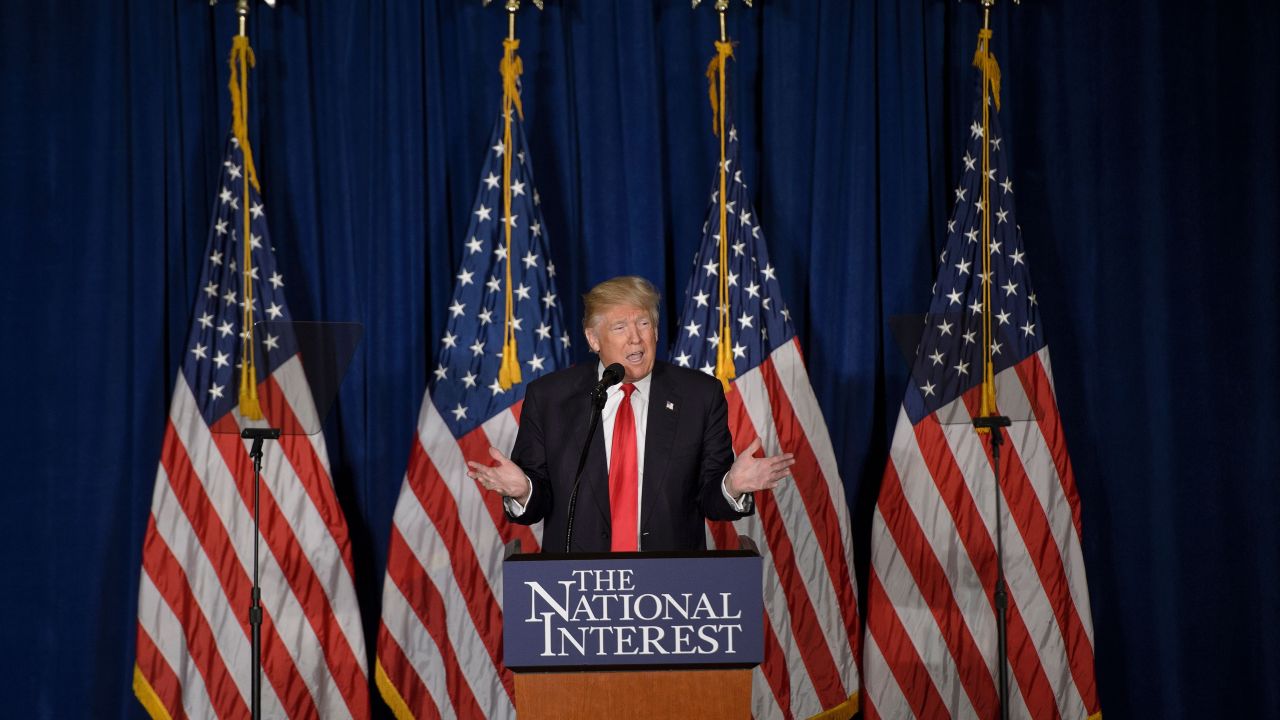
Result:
[{"x": 661, "y": 461}]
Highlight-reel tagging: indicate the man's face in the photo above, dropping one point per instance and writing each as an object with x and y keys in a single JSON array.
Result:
[{"x": 624, "y": 334}]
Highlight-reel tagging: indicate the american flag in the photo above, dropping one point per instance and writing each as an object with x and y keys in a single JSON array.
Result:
[
  {"x": 802, "y": 528},
  {"x": 440, "y": 640},
  {"x": 193, "y": 641},
  {"x": 931, "y": 643}
]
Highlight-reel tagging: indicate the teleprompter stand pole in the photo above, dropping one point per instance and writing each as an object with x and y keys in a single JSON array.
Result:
[
  {"x": 993, "y": 424},
  {"x": 257, "y": 435}
]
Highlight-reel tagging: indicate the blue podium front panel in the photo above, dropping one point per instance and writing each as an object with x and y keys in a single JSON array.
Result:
[{"x": 632, "y": 610}]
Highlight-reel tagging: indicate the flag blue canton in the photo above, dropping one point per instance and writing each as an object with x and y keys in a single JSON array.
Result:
[
  {"x": 464, "y": 386},
  {"x": 949, "y": 359},
  {"x": 760, "y": 321},
  {"x": 211, "y": 364}
]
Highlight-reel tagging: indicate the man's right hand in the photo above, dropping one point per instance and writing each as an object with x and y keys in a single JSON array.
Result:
[{"x": 505, "y": 478}]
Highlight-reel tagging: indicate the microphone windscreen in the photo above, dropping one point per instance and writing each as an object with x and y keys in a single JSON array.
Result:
[{"x": 612, "y": 375}]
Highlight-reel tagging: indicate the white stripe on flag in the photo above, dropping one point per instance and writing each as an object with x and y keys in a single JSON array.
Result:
[
  {"x": 942, "y": 537},
  {"x": 278, "y": 598},
  {"x": 166, "y": 633},
  {"x": 795, "y": 380},
  {"x": 474, "y": 519},
  {"x": 284, "y": 607},
  {"x": 432, "y": 554},
  {"x": 775, "y": 606},
  {"x": 1025, "y": 589},
  {"x": 918, "y": 622},
  {"x": 425, "y": 659},
  {"x": 229, "y": 638},
  {"x": 809, "y": 558},
  {"x": 881, "y": 685}
]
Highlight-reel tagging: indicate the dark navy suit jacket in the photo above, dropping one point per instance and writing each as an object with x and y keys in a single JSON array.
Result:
[{"x": 687, "y": 452}]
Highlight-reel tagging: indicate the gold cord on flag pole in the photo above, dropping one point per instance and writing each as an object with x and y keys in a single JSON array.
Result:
[
  {"x": 716, "y": 89},
  {"x": 511, "y": 68},
  {"x": 984, "y": 60},
  {"x": 716, "y": 78},
  {"x": 241, "y": 60}
]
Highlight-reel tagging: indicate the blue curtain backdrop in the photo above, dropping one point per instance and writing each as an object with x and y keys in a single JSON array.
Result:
[{"x": 1144, "y": 142}]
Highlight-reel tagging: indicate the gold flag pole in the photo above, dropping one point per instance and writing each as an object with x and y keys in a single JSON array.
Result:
[
  {"x": 984, "y": 60},
  {"x": 510, "y": 69},
  {"x": 988, "y": 421},
  {"x": 716, "y": 89}
]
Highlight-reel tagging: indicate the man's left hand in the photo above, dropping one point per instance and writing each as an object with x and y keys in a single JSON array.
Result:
[{"x": 750, "y": 473}]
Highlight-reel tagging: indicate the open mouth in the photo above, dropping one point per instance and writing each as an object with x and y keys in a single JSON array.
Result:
[{"x": 634, "y": 357}]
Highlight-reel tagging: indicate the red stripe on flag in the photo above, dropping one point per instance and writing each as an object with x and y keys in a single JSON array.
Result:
[
  {"x": 900, "y": 655},
  {"x": 312, "y": 474},
  {"x": 442, "y": 508},
  {"x": 973, "y": 533},
  {"x": 236, "y": 584},
  {"x": 475, "y": 448},
  {"x": 723, "y": 534},
  {"x": 429, "y": 607},
  {"x": 160, "y": 676},
  {"x": 809, "y": 480},
  {"x": 307, "y": 588},
  {"x": 774, "y": 668},
  {"x": 515, "y": 409},
  {"x": 166, "y": 572},
  {"x": 774, "y": 664},
  {"x": 931, "y": 580},
  {"x": 805, "y": 627},
  {"x": 1035, "y": 383},
  {"x": 869, "y": 711},
  {"x": 1046, "y": 557},
  {"x": 406, "y": 682}
]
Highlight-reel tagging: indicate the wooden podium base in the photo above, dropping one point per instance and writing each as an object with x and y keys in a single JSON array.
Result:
[{"x": 634, "y": 694}]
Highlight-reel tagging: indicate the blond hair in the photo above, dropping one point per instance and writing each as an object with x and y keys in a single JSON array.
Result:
[{"x": 622, "y": 290}]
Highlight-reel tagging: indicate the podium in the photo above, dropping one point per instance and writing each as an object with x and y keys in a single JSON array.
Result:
[{"x": 633, "y": 635}]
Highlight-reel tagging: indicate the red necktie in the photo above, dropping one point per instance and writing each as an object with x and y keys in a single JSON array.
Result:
[{"x": 624, "y": 476}]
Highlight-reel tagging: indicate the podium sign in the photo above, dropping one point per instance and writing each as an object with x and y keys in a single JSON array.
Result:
[{"x": 633, "y": 610}]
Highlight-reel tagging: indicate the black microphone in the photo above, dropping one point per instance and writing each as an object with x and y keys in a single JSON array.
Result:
[{"x": 612, "y": 376}]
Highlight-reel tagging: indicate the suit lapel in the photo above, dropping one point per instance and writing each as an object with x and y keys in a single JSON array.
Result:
[
  {"x": 595, "y": 474},
  {"x": 660, "y": 431}
]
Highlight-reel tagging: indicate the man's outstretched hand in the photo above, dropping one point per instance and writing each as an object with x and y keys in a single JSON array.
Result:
[
  {"x": 750, "y": 473},
  {"x": 505, "y": 478}
]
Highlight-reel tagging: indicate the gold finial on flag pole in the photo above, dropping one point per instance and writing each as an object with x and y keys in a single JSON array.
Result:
[{"x": 512, "y": 6}]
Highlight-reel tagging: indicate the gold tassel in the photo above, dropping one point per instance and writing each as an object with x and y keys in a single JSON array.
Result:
[
  {"x": 511, "y": 69},
  {"x": 715, "y": 77},
  {"x": 985, "y": 60},
  {"x": 241, "y": 60},
  {"x": 715, "y": 72}
]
